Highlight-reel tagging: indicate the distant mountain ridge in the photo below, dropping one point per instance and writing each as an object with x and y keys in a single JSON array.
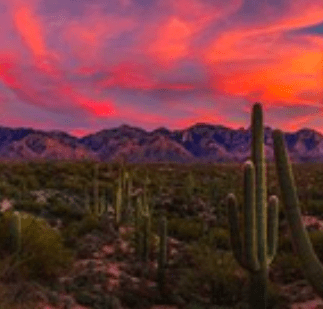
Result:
[{"x": 199, "y": 143}]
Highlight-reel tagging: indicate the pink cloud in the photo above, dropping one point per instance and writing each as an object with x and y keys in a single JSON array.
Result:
[
  {"x": 172, "y": 41},
  {"x": 88, "y": 35},
  {"x": 101, "y": 108},
  {"x": 30, "y": 30},
  {"x": 128, "y": 75},
  {"x": 80, "y": 132},
  {"x": 173, "y": 36}
]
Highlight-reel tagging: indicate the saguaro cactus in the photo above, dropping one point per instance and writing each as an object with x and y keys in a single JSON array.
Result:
[
  {"x": 162, "y": 258},
  {"x": 312, "y": 268},
  {"x": 96, "y": 189},
  {"x": 146, "y": 238},
  {"x": 118, "y": 201},
  {"x": 15, "y": 231},
  {"x": 254, "y": 256},
  {"x": 138, "y": 225}
]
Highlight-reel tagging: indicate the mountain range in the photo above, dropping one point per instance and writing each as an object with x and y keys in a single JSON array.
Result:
[{"x": 204, "y": 143}]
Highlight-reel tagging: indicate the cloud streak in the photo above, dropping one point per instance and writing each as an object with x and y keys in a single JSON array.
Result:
[{"x": 161, "y": 63}]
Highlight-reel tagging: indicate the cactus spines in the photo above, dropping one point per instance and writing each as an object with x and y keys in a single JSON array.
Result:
[
  {"x": 162, "y": 260},
  {"x": 312, "y": 268},
  {"x": 253, "y": 256}
]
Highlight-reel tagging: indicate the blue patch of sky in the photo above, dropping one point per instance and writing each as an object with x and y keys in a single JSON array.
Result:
[
  {"x": 316, "y": 29},
  {"x": 252, "y": 11},
  {"x": 72, "y": 7},
  {"x": 184, "y": 72},
  {"x": 3, "y": 8},
  {"x": 124, "y": 40}
]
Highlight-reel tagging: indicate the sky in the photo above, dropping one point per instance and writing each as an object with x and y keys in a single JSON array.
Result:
[{"x": 82, "y": 66}]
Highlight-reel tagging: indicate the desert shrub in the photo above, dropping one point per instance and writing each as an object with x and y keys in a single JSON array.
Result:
[
  {"x": 228, "y": 283},
  {"x": 76, "y": 229},
  {"x": 184, "y": 229},
  {"x": 219, "y": 238},
  {"x": 217, "y": 269},
  {"x": 43, "y": 254},
  {"x": 315, "y": 207},
  {"x": 29, "y": 205},
  {"x": 59, "y": 207},
  {"x": 317, "y": 242},
  {"x": 288, "y": 267}
]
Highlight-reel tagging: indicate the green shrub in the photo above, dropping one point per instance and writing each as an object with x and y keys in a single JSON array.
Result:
[
  {"x": 43, "y": 254},
  {"x": 220, "y": 238},
  {"x": 217, "y": 269},
  {"x": 29, "y": 205},
  {"x": 315, "y": 207},
  {"x": 289, "y": 267},
  {"x": 76, "y": 229},
  {"x": 185, "y": 229},
  {"x": 317, "y": 241},
  {"x": 59, "y": 207}
]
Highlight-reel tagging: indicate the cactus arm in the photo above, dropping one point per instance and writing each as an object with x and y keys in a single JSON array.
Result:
[
  {"x": 250, "y": 217},
  {"x": 273, "y": 216},
  {"x": 311, "y": 265},
  {"x": 235, "y": 236}
]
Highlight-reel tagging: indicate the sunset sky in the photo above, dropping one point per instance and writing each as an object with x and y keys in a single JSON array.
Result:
[{"x": 87, "y": 65}]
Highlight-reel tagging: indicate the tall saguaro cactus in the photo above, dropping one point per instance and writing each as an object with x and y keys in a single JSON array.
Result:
[
  {"x": 312, "y": 268},
  {"x": 254, "y": 255}
]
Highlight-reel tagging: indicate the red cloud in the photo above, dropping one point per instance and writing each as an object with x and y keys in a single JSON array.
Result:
[
  {"x": 100, "y": 108},
  {"x": 80, "y": 132},
  {"x": 8, "y": 71},
  {"x": 172, "y": 40},
  {"x": 88, "y": 36},
  {"x": 284, "y": 71},
  {"x": 128, "y": 75},
  {"x": 30, "y": 30},
  {"x": 190, "y": 17}
]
